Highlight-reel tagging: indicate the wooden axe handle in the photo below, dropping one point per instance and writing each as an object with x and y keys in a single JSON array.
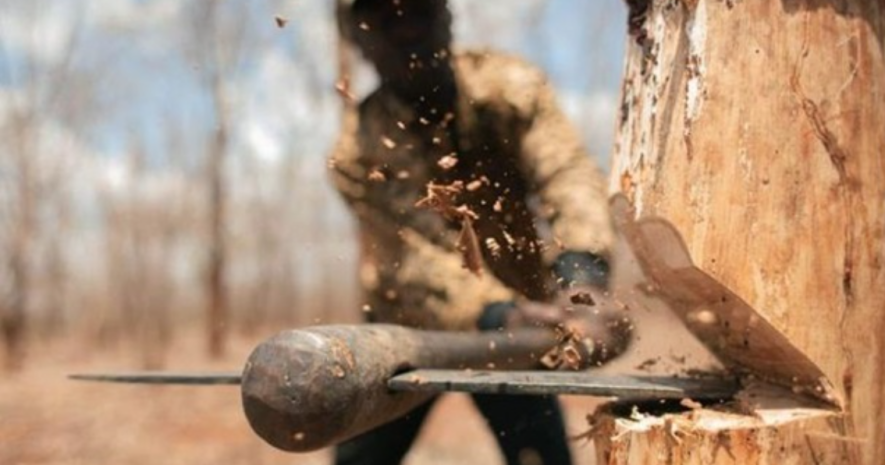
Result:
[{"x": 311, "y": 388}]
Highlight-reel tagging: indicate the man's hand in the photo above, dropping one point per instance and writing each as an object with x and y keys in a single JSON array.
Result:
[
  {"x": 596, "y": 314},
  {"x": 590, "y": 322}
]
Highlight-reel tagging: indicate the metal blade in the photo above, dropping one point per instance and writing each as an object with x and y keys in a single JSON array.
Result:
[
  {"x": 190, "y": 379},
  {"x": 563, "y": 382},
  {"x": 726, "y": 324}
]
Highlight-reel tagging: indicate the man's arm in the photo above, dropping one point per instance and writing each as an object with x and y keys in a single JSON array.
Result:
[
  {"x": 574, "y": 200},
  {"x": 571, "y": 189}
]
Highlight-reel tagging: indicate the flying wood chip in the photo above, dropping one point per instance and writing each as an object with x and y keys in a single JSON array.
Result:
[
  {"x": 468, "y": 245},
  {"x": 342, "y": 87},
  {"x": 442, "y": 199}
]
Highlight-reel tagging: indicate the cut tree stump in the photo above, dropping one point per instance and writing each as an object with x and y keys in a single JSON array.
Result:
[{"x": 757, "y": 129}]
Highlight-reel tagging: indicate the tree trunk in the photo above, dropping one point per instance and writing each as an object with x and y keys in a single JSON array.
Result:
[
  {"x": 757, "y": 128},
  {"x": 13, "y": 315},
  {"x": 217, "y": 297}
]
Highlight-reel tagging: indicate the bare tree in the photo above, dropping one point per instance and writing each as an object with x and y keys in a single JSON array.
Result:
[
  {"x": 144, "y": 232},
  {"x": 46, "y": 88},
  {"x": 219, "y": 35},
  {"x": 21, "y": 227}
]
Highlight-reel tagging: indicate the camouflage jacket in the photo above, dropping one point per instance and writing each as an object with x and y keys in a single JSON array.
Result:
[{"x": 521, "y": 169}]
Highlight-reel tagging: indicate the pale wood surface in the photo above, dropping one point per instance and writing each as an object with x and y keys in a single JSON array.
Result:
[{"x": 757, "y": 128}]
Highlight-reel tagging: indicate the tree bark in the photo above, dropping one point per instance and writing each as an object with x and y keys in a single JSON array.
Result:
[{"x": 757, "y": 128}]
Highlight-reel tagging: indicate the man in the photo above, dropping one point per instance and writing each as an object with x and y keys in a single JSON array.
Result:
[{"x": 477, "y": 208}]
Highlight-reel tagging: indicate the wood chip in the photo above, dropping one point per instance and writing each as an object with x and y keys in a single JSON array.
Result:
[
  {"x": 582, "y": 298},
  {"x": 691, "y": 404},
  {"x": 388, "y": 142},
  {"x": 448, "y": 162},
  {"x": 377, "y": 176},
  {"x": 468, "y": 245},
  {"x": 442, "y": 198},
  {"x": 342, "y": 87},
  {"x": 493, "y": 246}
]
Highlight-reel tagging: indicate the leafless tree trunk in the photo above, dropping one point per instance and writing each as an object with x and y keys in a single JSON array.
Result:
[
  {"x": 143, "y": 233},
  {"x": 220, "y": 35},
  {"x": 23, "y": 227},
  {"x": 48, "y": 92},
  {"x": 216, "y": 289},
  {"x": 56, "y": 278}
]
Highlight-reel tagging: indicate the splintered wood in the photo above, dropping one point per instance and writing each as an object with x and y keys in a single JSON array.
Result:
[
  {"x": 442, "y": 198},
  {"x": 573, "y": 351},
  {"x": 773, "y": 436}
]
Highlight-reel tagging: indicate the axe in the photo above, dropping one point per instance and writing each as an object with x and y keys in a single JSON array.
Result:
[{"x": 310, "y": 388}]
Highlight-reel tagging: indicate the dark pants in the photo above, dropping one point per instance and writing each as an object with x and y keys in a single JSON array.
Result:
[{"x": 529, "y": 431}]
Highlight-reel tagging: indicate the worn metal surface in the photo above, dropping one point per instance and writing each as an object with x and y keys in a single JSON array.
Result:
[
  {"x": 562, "y": 382},
  {"x": 190, "y": 379},
  {"x": 308, "y": 389},
  {"x": 745, "y": 342}
]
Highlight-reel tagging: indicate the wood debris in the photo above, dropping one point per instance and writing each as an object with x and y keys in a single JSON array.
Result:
[
  {"x": 377, "y": 176},
  {"x": 493, "y": 246},
  {"x": 342, "y": 87},
  {"x": 476, "y": 184},
  {"x": 442, "y": 198},
  {"x": 647, "y": 364},
  {"x": 448, "y": 162},
  {"x": 388, "y": 142},
  {"x": 572, "y": 352},
  {"x": 691, "y": 404},
  {"x": 468, "y": 245},
  {"x": 582, "y": 298}
]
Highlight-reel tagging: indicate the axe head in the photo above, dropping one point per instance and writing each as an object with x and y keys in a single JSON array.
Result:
[{"x": 738, "y": 335}]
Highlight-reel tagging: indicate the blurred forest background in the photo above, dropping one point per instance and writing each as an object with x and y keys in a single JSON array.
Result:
[
  {"x": 164, "y": 204},
  {"x": 162, "y": 163}
]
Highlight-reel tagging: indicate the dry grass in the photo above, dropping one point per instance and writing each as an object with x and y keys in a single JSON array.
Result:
[{"x": 47, "y": 419}]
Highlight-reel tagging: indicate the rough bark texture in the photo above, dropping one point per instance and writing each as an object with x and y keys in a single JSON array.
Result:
[{"x": 757, "y": 128}]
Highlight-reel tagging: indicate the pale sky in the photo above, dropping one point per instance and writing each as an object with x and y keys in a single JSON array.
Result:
[{"x": 134, "y": 43}]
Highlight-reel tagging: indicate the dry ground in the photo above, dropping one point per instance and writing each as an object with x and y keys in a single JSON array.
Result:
[{"x": 47, "y": 419}]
